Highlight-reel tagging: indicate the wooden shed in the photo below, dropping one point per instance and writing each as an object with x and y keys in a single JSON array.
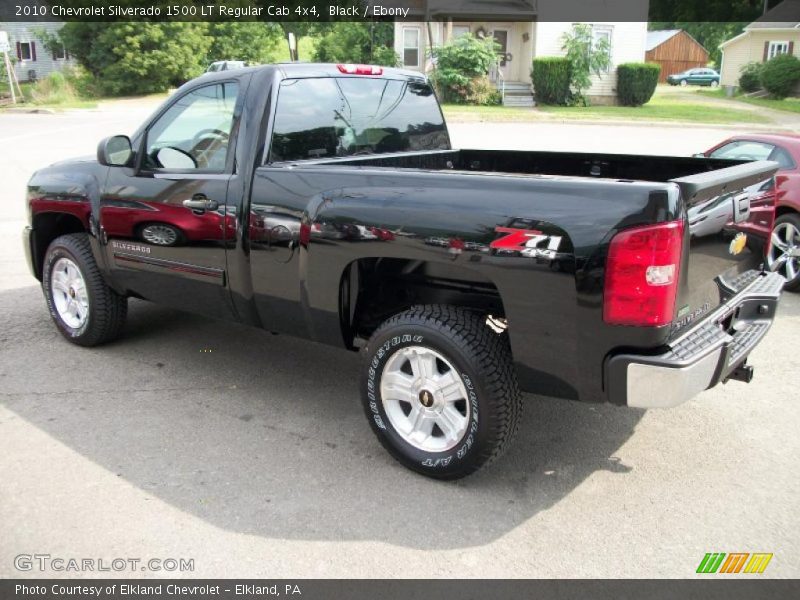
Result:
[{"x": 675, "y": 50}]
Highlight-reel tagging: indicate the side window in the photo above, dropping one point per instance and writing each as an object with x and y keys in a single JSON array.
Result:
[
  {"x": 194, "y": 133},
  {"x": 782, "y": 157},
  {"x": 744, "y": 150}
]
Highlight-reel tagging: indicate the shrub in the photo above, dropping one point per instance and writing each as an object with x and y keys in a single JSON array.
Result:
[
  {"x": 462, "y": 65},
  {"x": 750, "y": 78},
  {"x": 636, "y": 83},
  {"x": 53, "y": 89},
  {"x": 551, "y": 77},
  {"x": 780, "y": 74},
  {"x": 482, "y": 92}
]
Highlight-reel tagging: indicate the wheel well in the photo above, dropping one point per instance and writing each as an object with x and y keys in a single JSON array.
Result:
[
  {"x": 374, "y": 289},
  {"x": 47, "y": 227},
  {"x": 785, "y": 210}
]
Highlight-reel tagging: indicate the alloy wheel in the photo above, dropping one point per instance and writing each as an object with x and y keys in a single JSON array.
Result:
[
  {"x": 69, "y": 293},
  {"x": 425, "y": 399},
  {"x": 160, "y": 235},
  {"x": 784, "y": 254}
]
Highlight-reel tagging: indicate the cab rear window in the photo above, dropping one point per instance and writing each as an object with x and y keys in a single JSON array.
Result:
[{"x": 348, "y": 116}]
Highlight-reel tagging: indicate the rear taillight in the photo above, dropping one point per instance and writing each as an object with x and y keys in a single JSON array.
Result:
[
  {"x": 642, "y": 275},
  {"x": 360, "y": 69}
]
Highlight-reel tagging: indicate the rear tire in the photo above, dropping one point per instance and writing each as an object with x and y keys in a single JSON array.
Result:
[
  {"x": 684, "y": 83},
  {"x": 440, "y": 391},
  {"x": 85, "y": 310}
]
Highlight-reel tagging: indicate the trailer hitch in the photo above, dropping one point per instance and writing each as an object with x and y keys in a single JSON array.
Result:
[{"x": 743, "y": 372}]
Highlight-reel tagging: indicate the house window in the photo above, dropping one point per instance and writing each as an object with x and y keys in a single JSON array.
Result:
[
  {"x": 411, "y": 46},
  {"x": 25, "y": 51},
  {"x": 59, "y": 53},
  {"x": 776, "y": 48},
  {"x": 602, "y": 32},
  {"x": 459, "y": 30}
]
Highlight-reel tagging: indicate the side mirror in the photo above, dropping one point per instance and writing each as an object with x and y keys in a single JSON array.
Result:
[{"x": 115, "y": 151}]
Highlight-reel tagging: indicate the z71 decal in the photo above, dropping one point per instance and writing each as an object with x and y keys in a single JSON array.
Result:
[{"x": 528, "y": 242}]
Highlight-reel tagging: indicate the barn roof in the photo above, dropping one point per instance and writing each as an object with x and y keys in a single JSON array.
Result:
[{"x": 656, "y": 38}]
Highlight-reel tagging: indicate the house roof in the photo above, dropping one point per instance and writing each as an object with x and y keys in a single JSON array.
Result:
[
  {"x": 785, "y": 15},
  {"x": 656, "y": 38}
]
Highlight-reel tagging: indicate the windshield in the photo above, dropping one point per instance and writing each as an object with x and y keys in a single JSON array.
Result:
[{"x": 348, "y": 116}]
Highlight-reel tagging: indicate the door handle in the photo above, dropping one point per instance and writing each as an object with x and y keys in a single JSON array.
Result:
[{"x": 200, "y": 202}]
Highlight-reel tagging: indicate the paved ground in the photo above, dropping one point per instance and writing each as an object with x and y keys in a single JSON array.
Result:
[{"x": 256, "y": 460}]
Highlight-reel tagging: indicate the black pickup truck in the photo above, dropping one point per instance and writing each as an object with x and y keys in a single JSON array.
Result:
[{"x": 325, "y": 202}]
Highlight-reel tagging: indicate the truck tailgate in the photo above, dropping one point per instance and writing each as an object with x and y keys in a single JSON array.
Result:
[{"x": 730, "y": 214}]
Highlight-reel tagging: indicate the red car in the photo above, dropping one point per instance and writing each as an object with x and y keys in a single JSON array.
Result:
[{"x": 783, "y": 194}]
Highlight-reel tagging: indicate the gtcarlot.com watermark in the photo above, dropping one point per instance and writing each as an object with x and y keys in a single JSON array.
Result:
[{"x": 62, "y": 564}]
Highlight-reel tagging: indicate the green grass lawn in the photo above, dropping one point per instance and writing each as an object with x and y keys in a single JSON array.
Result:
[
  {"x": 788, "y": 104},
  {"x": 660, "y": 108}
]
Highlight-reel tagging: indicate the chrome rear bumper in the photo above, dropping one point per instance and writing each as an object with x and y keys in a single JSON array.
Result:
[{"x": 702, "y": 357}]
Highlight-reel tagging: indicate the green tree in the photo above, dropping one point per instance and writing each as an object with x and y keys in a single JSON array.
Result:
[
  {"x": 138, "y": 58},
  {"x": 358, "y": 42},
  {"x": 244, "y": 40},
  {"x": 587, "y": 56}
]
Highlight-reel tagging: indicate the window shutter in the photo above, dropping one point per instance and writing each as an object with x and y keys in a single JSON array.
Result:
[
  {"x": 766, "y": 51},
  {"x": 19, "y": 51},
  {"x": 33, "y": 51},
  {"x": 791, "y": 47}
]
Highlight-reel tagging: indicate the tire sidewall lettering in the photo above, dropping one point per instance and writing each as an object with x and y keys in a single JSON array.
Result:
[{"x": 377, "y": 360}]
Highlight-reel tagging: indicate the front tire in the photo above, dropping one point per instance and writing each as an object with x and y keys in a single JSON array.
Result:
[
  {"x": 684, "y": 83},
  {"x": 439, "y": 390},
  {"x": 85, "y": 310}
]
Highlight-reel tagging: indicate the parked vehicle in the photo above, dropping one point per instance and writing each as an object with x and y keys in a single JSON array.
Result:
[
  {"x": 782, "y": 193},
  {"x": 711, "y": 217},
  {"x": 226, "y": 65},
  {"x": 571, "y": 275},
  {"x": 695, "y": 77}
]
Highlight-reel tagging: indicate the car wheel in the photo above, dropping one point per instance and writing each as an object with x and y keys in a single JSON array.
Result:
[
  {"x": 714, "y": 84},
  {"x": 86, "y": 311},
  {"x": 684, "y": 83},
  {"x": 161, "y": 234},
  {"x": 784, "y": 252},
  {"x": 440, "y": 391}
]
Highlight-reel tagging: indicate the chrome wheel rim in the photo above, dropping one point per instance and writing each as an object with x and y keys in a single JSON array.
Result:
[
  {"x": 69, "y": 293},
  {"x": 425, "y": 399},
  {"x": 784, "y": 254},
  {"x": 160, "y": 235}
]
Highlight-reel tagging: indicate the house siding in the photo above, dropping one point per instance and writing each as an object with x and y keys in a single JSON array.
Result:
[
  {"x": 628, "y": 41},
  {"x": 44, "y": 63},
  {"x": 750, "y": 48},
  {"x": 544, "y": 38}
]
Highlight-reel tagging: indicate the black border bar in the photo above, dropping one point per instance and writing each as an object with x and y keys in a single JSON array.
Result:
[
  {"x": 742, "y": 11},
  {"x": 708, "y": 587}
]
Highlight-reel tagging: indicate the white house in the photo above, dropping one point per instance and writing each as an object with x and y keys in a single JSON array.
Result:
[
  {"x": 524, "y": 31},
  {"x": 33, "y": 59}
]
